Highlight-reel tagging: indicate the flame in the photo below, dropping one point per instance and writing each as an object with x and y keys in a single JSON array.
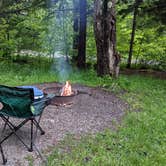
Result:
[
  {"x": 66, "y": 90},
  {"x": 1, "y": 106}
]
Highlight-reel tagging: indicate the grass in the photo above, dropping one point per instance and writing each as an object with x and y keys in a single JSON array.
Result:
[
  {"x": 141, "y": 138},
  {"x": 32, "y": 70}
]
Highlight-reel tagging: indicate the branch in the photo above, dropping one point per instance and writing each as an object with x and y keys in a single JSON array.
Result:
[
  {"x": 16, "y": 11},
  {"x": 34, "y": 4}
]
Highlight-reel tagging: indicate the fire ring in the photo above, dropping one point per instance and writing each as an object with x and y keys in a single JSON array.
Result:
[{"x": 59, "y": 100}]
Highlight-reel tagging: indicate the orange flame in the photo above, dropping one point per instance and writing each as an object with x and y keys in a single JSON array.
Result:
[
  {"x": 66, "y": 90},
  {"x": 1, "y": 106}
]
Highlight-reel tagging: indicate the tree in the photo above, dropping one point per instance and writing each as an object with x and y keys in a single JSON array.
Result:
[
  {"x": 136, "y": 5},
  {"x": 75, "y": 24},
  {"x": 105, "y": 35},
  {"x": 75, "y": 29},
  {"x": 156, "y": 9},
  {"x": 81, "y": 59},
  {"x": 21, "y": 25},
  {"x": 148, "y": 17}
]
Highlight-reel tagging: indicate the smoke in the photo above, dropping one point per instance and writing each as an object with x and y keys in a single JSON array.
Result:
[
  {"x": 58, "y": 28},
  {"x": 62, "y": 68}
]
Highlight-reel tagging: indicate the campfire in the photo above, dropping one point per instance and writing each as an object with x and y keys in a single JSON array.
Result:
[
  {"x": 66, "y": 90},
  {"x": 63, "y": 95}
]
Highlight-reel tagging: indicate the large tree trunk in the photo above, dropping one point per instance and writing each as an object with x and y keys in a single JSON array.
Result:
[
  {"x": 105, "y": 35},
  {"x": 81, "y": 59}
]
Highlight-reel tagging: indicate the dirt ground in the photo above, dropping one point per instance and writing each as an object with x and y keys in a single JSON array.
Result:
[{"x": 91, "y": 112}]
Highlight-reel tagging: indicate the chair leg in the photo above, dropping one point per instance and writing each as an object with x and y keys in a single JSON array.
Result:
[
  {"x": 6, "y": 121},
  {"x": 3, "y": 156},
  {"x": 37, "y": 123},
  {"x": 39, "y": 127},
  {"x": 31, "y": 144},
  {"x": 14, "y": 131}
]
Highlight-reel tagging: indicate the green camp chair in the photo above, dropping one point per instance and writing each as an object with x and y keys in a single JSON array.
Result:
[{"x": 20, "y": 103}]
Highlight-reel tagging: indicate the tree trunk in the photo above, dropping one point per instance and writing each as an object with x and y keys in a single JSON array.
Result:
[
  {"x": 75, "y": 24},
  {"x": 75, "y": 29},
  {"x": 81, "y": 59},
  {"x": 7, "y": 51},
  {"x": 136, "y": 5},
  {"x": 105, "y": 35}
]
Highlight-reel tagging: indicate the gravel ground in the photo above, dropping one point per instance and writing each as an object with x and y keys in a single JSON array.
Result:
[{"x": 88, "y": 114}]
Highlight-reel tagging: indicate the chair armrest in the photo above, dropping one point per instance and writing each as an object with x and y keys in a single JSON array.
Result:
[{"x": 38, "y": 105}]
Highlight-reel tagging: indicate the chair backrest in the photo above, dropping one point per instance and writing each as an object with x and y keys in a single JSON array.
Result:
[{"x": 16, "y": 101}]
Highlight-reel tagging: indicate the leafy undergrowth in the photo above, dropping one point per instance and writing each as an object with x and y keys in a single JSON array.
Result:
[
  {"x": 32, "y": 70},
  {"x": 141, "y": 138},
  {"x": 26, "y": 71}
]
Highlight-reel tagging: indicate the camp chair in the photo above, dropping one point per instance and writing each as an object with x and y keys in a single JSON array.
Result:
[{"x": 20, "y": 103}]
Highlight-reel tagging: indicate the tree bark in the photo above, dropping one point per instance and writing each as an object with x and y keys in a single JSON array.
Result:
[
  {"x": 81, "y": 59},
  {"x": 105, "y": 35},
  {"x": 75, "y": 30},
  {"x": 136, "y": 5},
  {"x": 75, "y": 24}
]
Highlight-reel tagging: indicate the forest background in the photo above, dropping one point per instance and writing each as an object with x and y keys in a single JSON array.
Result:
[{"x": 47, "y": 28}]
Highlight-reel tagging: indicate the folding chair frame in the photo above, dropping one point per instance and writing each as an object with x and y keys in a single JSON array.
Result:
[
  {"x": 3, "y": 156},
  {"x": 21, "y": 106},
  {"x": 14, "y": 130}
]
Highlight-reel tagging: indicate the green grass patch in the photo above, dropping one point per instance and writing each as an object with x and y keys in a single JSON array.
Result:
[
  {"x": 29, "y": 70},
  {"x": 141, "y": 138},
  {"x": 32, "y": 70}
]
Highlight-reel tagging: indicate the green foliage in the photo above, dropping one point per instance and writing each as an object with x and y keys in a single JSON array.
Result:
[
  {"x": 155, "y": 9},
  {"x": 140, "y": 140},
  {"x": 59, "y": 34},
  {"x": 149, "y": 42},
  {"x": 31, "y": 26},
  {"x": 20, "y": 27},
  {"x": 25, "y": 70},
  {"x": 90, "y": 43},
  {"x": 31, "y": 31},
  {"x": 7, "y": 42}
]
